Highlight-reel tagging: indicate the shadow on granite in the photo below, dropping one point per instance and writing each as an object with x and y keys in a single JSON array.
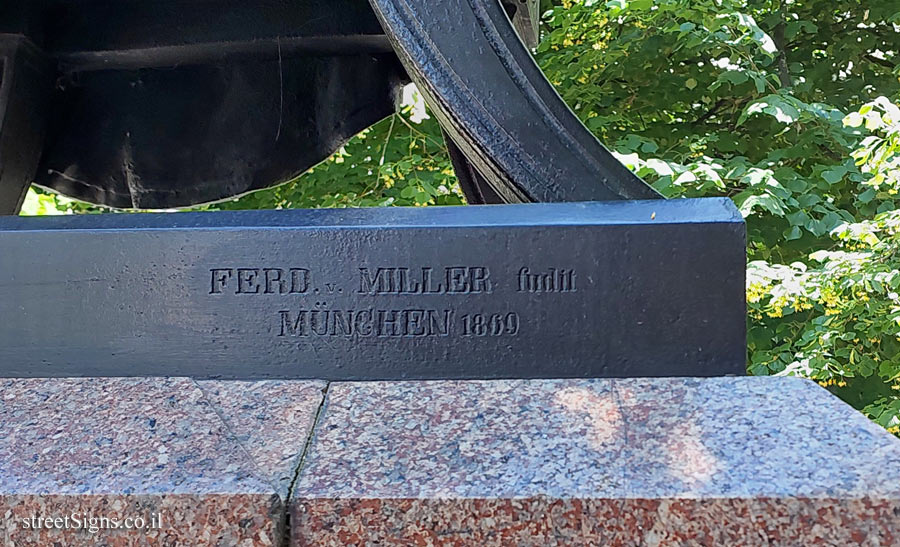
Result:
[
  {"x": 151, "y": 454},
  {"x": 753, "y": 461}
]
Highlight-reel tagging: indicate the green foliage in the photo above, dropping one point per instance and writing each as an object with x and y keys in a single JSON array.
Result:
[
  {"x": 38, "y": 203},
  {"x": 836, "y": 319},
  {"x": 737, "y": 98},
  {"x": 747, "y": 99}
]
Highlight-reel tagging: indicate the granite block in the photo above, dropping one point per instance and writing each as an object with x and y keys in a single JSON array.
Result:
[
  {"x": 463, "y": 439},
  {"x": 737, "y": 461},
  {"x": 755, "y": 461},
  {"x": 751, "y": 438},
  {"x": 150, "y": 448}
]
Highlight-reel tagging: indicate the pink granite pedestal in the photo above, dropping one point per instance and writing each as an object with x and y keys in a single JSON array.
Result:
[
  {"x": 726, "y": 461},
  {"x": 179, "y": 462}
]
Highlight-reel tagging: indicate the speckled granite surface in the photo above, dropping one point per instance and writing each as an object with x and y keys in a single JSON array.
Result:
[
  {"x": 192, "y": 462},
  {"x": 270, "y": 419},
  {"x": 757, "y": 461},
  {"x": 727, "y": 461}
]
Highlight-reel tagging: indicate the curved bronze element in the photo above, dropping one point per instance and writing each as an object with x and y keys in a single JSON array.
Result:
[
  {"x": 498, "y": 108},
  {"x": 26, "y": 79}
]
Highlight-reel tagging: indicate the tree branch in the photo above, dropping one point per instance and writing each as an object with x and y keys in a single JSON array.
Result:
[
  {"x": 881, "y": 62},
  {"x": 784, "y": 73},
  {"x": 711, "y": 112}
]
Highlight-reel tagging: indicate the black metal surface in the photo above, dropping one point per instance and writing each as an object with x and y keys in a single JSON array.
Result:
[
  {"x": 657, "y": 290},
  {"x": 476, "y": 189},
  {"x": 168, "y": 103},
  {"x": 77, "y": 31},
  {"x": 193, "y": 134},
  {"x": 495, "y": 103},
  {"x": 25, "y": 83}
]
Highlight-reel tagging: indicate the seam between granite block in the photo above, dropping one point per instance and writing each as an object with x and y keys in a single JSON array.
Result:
[
  {"x": 284, "y": 522},
  {"x": 225, "y": 422},
  {"x": 287, "y": 525},
  {"x": 626, "y": 442},
  {"x": 309, "y": 440}
]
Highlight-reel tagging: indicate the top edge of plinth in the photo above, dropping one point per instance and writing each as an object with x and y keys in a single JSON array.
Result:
[{"x": 608, "y": 213}]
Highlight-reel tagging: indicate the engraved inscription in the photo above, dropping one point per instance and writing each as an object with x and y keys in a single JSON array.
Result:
[
  {"x": 452, "y": 280},
  {"x": 318, "y": 318},
  {"x": 372, "y": 322},
  {"x": 259, "y": 280},
  {"x": 550, "y": 281},
  {"x": 496, "y": 324}
]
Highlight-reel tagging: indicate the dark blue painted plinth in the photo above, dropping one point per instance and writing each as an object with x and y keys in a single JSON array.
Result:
[{"x": 651, "y": 288}]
